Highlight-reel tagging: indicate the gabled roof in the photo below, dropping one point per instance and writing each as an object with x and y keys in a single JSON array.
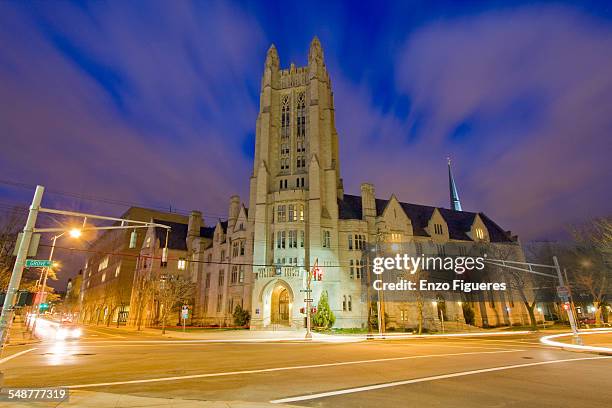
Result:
[
  {"x": 177, "y": 237},
  {"x": 459, "y": 222},
  {"x": 207, "y": 232}
]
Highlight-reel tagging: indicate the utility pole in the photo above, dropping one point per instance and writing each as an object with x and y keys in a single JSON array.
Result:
[
  {"x": 528, "y": 268},
  {"x": 22, "y": 252},
  {"x": 570, "y": 312},
  {"x": 309, "y": 299}
]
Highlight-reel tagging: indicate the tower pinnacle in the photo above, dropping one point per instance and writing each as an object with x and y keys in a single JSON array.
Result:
[{"x": 454, "y": 195}]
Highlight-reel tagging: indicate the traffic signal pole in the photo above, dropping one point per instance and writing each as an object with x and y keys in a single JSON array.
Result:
[
  {"x": 570, "y": 312},
  {"x": 22, "y": 252}
]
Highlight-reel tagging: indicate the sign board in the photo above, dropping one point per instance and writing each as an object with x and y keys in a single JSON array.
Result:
[
  {"x": 38, "y": 263},
  {"x": 185, "y": 312},
  {"x": 308, "y": 300},
  {"x": 32, "y": 249},
  {"x": 562, "y": 291},
  {"x": 305, "y": 290}
]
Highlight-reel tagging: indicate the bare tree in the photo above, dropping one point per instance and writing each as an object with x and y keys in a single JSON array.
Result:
[
  {"x": 593, "y": 261},
  {"x": 11, "y": 223},
  {"x": 528, "y": 286},
  {"x": 172, "y": 291}
]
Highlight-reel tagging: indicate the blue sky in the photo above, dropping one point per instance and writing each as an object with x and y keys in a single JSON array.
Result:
[{"x": 155, "y": 102}]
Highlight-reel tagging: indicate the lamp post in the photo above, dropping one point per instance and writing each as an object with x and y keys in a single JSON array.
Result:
[{"x": 44, "y": 274}]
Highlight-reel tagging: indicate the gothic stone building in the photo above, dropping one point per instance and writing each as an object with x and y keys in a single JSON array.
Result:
[{"x": 298, "y": 214}]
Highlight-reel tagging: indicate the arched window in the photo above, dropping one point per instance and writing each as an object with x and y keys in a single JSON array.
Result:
[
  {"x": 301, "y": 116},
  {"x": 285, "y": 117}
]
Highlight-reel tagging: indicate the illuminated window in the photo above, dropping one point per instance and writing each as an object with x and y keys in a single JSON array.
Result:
[
  {"x": 241, "y": 274},
  {"x": 103, "y": 263},
  {"x": 181, "y": 264},
  {"x": 117, "y": 270},
  {"x": 103, "y": 276},
  {"x": 479, "y": 233}
]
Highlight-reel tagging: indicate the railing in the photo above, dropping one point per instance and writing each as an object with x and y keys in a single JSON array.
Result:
[{"x": 278, "y": 272}]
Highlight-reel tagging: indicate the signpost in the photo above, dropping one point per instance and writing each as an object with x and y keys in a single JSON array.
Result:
[
  {"x": 563, "y": 292},
  {"x": 38, "y": 263},
  {"x": 184, "y": 315}
]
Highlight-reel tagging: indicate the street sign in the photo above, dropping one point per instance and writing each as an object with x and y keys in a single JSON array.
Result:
[
  {"x": 562, "y": 291},
  {"x": 185, "y": 312},
  {"x": 308, "y": 300},
  {"x": 305, "y": 290},
  {"x": 38, "y": 263}
]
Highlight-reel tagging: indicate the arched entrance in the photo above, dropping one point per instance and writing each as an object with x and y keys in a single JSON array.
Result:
[{"x": 279, "y": 312}]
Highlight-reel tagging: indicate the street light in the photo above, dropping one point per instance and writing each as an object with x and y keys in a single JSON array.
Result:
[{"x": 75, "y": 233}]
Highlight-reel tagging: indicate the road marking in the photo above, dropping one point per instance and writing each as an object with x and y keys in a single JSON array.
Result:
[
  {"x": 12, "y": 356},
  {"x": 547, "y": 340},
  {"x": 269, "y": 370},
  {"x": 102, "y": 333},
  {"x": 423, "y": 379}
]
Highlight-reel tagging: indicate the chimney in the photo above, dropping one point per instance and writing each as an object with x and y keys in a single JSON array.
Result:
[
  {"x": 193, "y": 228},
  {"x": 368, "y": 201}
]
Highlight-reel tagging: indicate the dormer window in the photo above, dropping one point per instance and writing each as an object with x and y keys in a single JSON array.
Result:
[{"x": 479, "y": 233}]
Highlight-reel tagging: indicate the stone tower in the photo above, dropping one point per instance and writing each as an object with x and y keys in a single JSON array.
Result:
[{"x": 295, "y": 184}]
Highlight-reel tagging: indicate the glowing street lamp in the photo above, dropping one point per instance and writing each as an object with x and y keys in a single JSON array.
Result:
[{"x": 75, "y": 233}]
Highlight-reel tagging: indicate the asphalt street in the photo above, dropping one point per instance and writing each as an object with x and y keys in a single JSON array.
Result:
[{"x": 513, "y": 371}]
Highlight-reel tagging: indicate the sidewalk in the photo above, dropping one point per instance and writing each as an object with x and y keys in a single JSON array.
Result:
[
  {"x": 235, "y": 335},
  {"x": 19, "y": 335},
  {"x": 91, "y": 399}
]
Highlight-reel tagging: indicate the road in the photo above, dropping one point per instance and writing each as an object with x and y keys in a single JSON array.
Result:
[{"x": 513, "y": 371}]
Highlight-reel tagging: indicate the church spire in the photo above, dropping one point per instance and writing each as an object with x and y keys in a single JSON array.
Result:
[{"x": 454, "y": 196}]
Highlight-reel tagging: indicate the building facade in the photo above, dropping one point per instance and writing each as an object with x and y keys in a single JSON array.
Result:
[
  {"x": 299, "y": 215},
  {"x": 108, "y": 274}
]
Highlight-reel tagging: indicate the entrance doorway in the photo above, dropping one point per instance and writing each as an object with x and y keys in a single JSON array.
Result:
[{"x": 280, "y": 306}]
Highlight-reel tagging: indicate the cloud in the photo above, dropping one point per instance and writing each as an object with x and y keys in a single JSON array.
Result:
[
  {"x": 130, "y": 103},
  {"x": 522, "y": 101}
]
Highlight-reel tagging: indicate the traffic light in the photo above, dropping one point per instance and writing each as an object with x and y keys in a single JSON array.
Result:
[
  {"x": 302, "y": 310},
  {"x": 313, "y": 310},
  {"x": 566, "y": 306},
  {"x": 44, "y": 307}
]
